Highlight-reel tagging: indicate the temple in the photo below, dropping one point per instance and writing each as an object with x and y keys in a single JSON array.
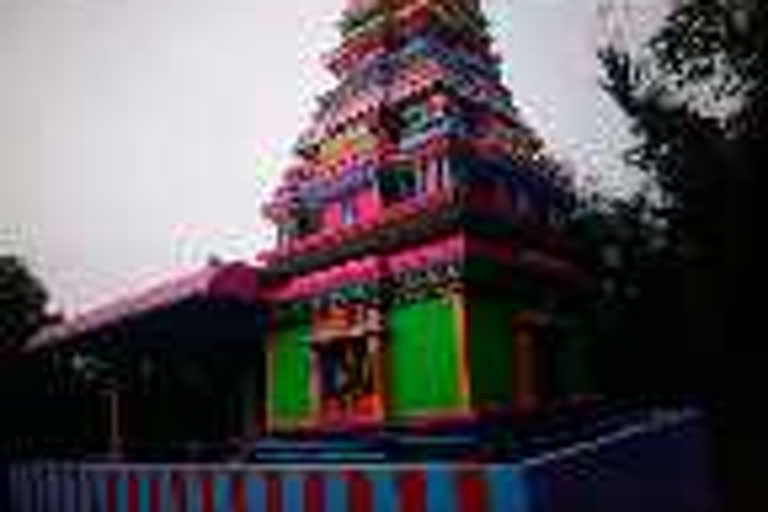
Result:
[
  {"x": 421, "y": 275},
  {"x": 418, "y": 339}
]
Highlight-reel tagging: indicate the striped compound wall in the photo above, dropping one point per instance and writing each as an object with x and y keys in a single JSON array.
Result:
[
  {"x": 291, "y": 490},
  {"x": 659, "y": 466}
]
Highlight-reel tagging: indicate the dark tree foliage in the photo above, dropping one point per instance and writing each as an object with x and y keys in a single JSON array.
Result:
[
  {"x": 696, "y": 98},
  {"x": 22, "y": 303},
  {"x": 634, "y": 313}
]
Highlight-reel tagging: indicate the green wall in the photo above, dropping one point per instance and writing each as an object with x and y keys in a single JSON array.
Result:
[
  {"x": 290, "y": 399},
  {"x": 423, "y": 363},
  {"x": 491, "y": 351}
]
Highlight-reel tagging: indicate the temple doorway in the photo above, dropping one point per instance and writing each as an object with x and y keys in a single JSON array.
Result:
[{"x": 347, "y": 357}]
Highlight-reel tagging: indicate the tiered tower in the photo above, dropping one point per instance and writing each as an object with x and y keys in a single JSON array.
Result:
[{"x": 419, "y": 273}]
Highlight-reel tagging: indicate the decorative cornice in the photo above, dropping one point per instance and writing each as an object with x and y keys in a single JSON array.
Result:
[
  {"x": 427, "y": 46},
  {"x": 438, "y": 278},
  {"x": 537, "y": 247},
  {"x": 441, "y": 136},
  {"x": 419, "y": 77},
  {"x": 400, "y": 223}
]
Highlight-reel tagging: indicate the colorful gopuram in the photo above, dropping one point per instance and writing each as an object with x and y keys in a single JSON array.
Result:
[{"x": 420, "y": 275}]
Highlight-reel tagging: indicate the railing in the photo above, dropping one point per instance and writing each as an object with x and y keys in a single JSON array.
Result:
[{"x": 657, "y": 465}]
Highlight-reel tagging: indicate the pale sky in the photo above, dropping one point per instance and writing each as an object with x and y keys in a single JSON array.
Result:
[{"x": 138, "y": 137}]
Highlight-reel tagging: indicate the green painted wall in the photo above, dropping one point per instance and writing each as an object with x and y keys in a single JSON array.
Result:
[
  {"x": 423, "y": 363},
  {"x": 289, "y": 392},
  {"x": 491, "y": 351}
]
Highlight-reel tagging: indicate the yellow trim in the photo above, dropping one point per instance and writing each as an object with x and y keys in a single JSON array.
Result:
[
  {"x": 462, "y": 349},
  {"x": 419, "y": 415}
]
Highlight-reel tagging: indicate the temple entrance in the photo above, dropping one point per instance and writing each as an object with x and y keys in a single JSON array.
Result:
[
  {"x": 346, "y": 360},
  {"x": 346, "y": 376}
]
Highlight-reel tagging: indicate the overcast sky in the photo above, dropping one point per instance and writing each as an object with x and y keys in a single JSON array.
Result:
[{"x": 138, "y": 137}]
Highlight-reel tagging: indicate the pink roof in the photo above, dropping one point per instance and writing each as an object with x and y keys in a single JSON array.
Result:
[{"x": 235, "y": 280}]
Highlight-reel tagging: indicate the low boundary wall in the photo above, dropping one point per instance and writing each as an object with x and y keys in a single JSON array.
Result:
[{"x": 660, "y": 465}]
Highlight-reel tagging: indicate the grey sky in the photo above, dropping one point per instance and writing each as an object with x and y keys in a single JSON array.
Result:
[{"x": 137, "y": 137}]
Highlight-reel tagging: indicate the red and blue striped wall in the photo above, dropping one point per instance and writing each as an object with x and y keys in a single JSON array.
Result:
[
  {"x": 660, "y": 465},
  {"x": 41, "y": 488}
]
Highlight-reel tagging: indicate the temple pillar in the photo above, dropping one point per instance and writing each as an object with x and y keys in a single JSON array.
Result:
[
  {"x": 446, "y": 180},
  {"x": 251, "y": 402},
  {"x": 527, "y": 392},
  {"x": 376, "y": 349},
  {"x": 316, "y": 406},
  {"x": 432, "y": 170},
  {"x": 112, "y": 395}
]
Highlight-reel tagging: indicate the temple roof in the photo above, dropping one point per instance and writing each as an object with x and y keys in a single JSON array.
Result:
[{"x": 236, "y": 281}]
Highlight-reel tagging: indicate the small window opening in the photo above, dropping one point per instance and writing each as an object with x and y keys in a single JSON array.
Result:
[
  {"x": 397, "y": 185},
  {"x": 307, "y": 222}
]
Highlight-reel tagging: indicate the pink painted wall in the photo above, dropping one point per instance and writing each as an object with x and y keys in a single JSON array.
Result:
[
  {"x": 332, "y": 215},
  {"x": 368, "y": 205}
]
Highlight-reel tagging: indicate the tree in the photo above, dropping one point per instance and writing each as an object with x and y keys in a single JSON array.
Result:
[
  {"x": 633, "y": 314},
  {"x": 696, "y": 97},
  {"x": 22, "y": 303}
]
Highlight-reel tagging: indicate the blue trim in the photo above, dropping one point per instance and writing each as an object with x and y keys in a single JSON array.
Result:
[
  {"x": 441, "y": 490},
  {"x": 255, "y": 492},
  {"x": 166, "y": 493},
  {"x": 222, "y": 492},
  {"x": 145, "y": 490},
  {"x": 507, "y": 490},
  {"x": 384, "y": 490},
  {"x": 99, "y": 482},
  {"x": 293, "y": 492},
  {"x": 194, "y": 498},
  {"x": 431, "y": 130},
  {"x": 335, "y": 492},
  {"x": 122, "y": 491},
  {"x": 317, "y": 192}
]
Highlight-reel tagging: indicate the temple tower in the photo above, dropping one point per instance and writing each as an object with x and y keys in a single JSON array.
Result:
[{"x": 419, "y": 273}]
